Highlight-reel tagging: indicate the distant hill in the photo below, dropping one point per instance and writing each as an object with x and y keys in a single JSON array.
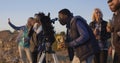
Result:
[
  {"x": 8, "y": 47},
  {"x": 7, "y": 35},
  {"x": 4, "y": 35}
]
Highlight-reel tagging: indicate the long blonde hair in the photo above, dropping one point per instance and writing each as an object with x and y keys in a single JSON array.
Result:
[{"x": 94, "y": 12}]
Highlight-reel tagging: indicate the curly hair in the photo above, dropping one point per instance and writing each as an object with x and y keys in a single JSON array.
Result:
[
  {"x": 66, "y": 12},
  {"x": 40, "y": 14}
]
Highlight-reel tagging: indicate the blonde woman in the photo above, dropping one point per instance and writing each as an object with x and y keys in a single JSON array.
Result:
[
  {"x": 98, "y": 26},
  {"x": 23, "y": 40}
]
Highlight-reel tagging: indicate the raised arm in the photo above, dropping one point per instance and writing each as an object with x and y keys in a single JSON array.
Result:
[
  {"x": 13, "y": 26},
  {"x": 84, "y": 35}
]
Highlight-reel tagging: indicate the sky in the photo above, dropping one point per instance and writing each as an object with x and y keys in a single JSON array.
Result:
[{"x": 20, "y": 10}]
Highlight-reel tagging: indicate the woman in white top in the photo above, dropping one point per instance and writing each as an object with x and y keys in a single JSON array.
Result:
[{"x": 36, "y": 35}]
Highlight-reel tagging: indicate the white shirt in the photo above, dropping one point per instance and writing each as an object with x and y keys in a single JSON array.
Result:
[{"x": 37, "y": 28}]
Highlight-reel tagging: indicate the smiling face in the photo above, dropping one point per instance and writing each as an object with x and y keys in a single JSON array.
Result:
[
  {"x": 97, "y": 15},
  {"x": 114, "y": 5},
  {"x": 30, "y": 22}
]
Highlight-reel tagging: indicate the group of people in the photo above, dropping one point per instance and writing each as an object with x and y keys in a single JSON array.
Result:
[
  {"x": 31, "y": 36},
  {"x": 96, "y": 40}
]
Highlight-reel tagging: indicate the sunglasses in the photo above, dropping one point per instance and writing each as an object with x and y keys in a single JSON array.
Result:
[{"x": 97, "y": 12}]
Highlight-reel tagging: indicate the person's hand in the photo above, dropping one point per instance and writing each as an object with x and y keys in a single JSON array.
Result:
[
  {"x": 97, "y": 37},
  {"x": 118, "y": 33},
  {"x": 95, "y": 32},
  {"x": 8, "y": 19},
  {"x": 26, "y": 39},
  {"x": 66, "y": 44}
]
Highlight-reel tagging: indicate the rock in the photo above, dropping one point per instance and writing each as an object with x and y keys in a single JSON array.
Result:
[{"x": 8, "y": 47}]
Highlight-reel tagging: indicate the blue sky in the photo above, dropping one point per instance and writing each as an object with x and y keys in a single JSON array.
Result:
[{"x": 20, "y": 10}]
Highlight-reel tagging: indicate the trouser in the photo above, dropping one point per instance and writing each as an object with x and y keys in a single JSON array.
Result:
[
  {"x": 34, "y": 57},
  {"x": 77, "y": 60},
  {"x": 70, "y": 53},
  {"x": 101, "y": 57},
  {"x": 25, "y": 53},
  {"x": 116, "y": 58}
]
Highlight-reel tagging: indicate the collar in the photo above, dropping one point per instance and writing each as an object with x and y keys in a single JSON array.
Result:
[
  {"x": 68, "y": 23},
  {"x": 117, "y": 12}
]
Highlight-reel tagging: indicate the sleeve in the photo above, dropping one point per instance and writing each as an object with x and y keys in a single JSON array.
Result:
[
  {"x": 37, "y": 29},
  {"x": 15, "y": 27},
  {"x": 31, "y": 31},
  {"x": 84, "y": 35},
  {"x": 91, "y": 26}
]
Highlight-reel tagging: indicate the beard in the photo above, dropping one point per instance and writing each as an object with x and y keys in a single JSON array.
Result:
[
  {"x": 115, "y": 8},
  {"x": 62, "y": 22},
  {"x": 118, "y": 7}
]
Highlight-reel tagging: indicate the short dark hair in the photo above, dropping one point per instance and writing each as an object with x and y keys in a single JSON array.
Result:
[
  {"x": 65, "y": 12},
  {"x": 31, "y": 18},
  {"x": 109, "y": 1}
]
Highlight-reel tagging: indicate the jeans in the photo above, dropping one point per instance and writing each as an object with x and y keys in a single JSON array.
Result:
[{"x": 25, "y": 54}]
